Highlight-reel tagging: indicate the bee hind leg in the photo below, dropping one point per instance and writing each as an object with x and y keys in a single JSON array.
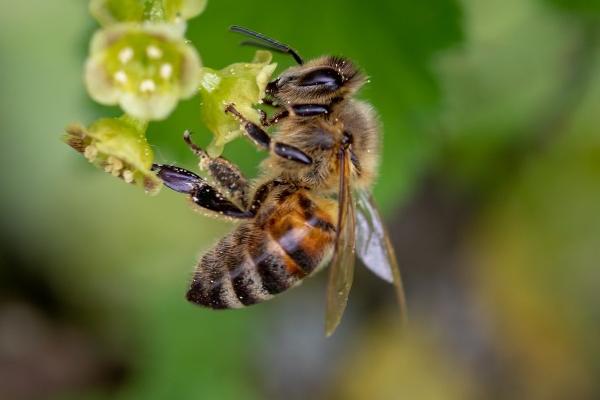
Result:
[
  {"x": 201, "y": 193},
  {"x": 226, "y": 175},
  {"x": 177, "y": 179}
]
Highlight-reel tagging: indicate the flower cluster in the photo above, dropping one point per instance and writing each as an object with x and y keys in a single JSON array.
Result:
[{"x": 140, "y": 60}]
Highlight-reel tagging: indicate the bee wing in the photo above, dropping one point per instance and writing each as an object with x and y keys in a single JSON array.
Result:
[
  {"x": 341, "y": 270},
  {"x": 374, "y": 247}
]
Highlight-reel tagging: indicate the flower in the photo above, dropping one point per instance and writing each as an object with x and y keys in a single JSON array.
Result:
[
  {"x": 109, "y": 12},
  {"x": 146, "y": 69},
  {"x": 242, "y": 84},
  {"x": 119, "y": 146}
]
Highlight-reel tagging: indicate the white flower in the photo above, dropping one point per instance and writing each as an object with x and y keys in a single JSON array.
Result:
[{"x": 146, "y": 69}]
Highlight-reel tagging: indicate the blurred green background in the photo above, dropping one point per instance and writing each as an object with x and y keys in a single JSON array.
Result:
[{"x": 490, "y": 184}]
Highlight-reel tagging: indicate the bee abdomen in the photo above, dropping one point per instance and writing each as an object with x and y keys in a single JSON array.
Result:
[
  {"x": 226, "y": 277},
  {"x": 258, "y": 261},
  {"x": 303, "y": 232},
  {"x": 276, "y": 270},
  {"x": 244, "y": 268}
]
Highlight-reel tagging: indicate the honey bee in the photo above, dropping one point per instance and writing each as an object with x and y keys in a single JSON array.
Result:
[{"x": 311, "y": 205}]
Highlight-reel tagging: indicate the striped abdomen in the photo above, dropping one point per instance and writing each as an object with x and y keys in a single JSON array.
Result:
[{"x": 266, "y": 256}]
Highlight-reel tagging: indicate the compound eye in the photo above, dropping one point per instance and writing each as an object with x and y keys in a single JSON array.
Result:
[{"x": 325, "y": 77}]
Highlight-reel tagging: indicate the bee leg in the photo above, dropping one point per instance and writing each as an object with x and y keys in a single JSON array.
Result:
[
  {"x": 201, "y": 193},
  {"x": 278, "y": 117},
  {"x": 310, "y": 110},
  {"x": 228, "y": 176},
  {"x": 177, "y": 179},
  {"x": 263, "y": 140},
  {"x": 265, "y": 121},
  {"x": 269, "y": 102},
  {"x": 261, "y": 193}
]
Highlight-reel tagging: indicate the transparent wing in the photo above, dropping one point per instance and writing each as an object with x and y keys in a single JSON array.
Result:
[
  {"x": 374, "y": 247},
  {"x": 341, "y": 270}
]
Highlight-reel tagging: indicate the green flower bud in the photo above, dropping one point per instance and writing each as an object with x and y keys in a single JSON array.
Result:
[
  {"x": 109, "y": 12},
  {"x": 242, "y": 84},
  {"x": 186, "y": 9},
  {"x": 119, "y": 146},
  {"x": 146, "y": 69}
]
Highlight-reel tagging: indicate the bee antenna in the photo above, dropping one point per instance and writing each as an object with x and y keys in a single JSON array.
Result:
[{"x": 266, "y": 42}]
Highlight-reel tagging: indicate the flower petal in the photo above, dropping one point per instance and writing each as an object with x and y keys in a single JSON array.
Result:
[
  {"x": 99, "y": 85},
  {"x": 153, "y": 107}
]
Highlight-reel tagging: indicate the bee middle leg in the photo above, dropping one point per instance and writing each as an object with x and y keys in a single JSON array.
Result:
[
  {"x": 200, "y": 192},
  {"x": 263, "y": 140}
]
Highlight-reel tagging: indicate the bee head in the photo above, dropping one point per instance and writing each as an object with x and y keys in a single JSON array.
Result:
[{"x": 318, "y": 81}]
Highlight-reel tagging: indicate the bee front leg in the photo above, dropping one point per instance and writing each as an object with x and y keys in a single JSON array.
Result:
[
  {"x": 228, "y": 176},
  {"x": 265, "y": 121},
  {"x": 200, "y": 192},
  {"x": 278, "y": 117},
  {"x": 263, "y": 140},
  {"x": 269, "y": 102}
]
